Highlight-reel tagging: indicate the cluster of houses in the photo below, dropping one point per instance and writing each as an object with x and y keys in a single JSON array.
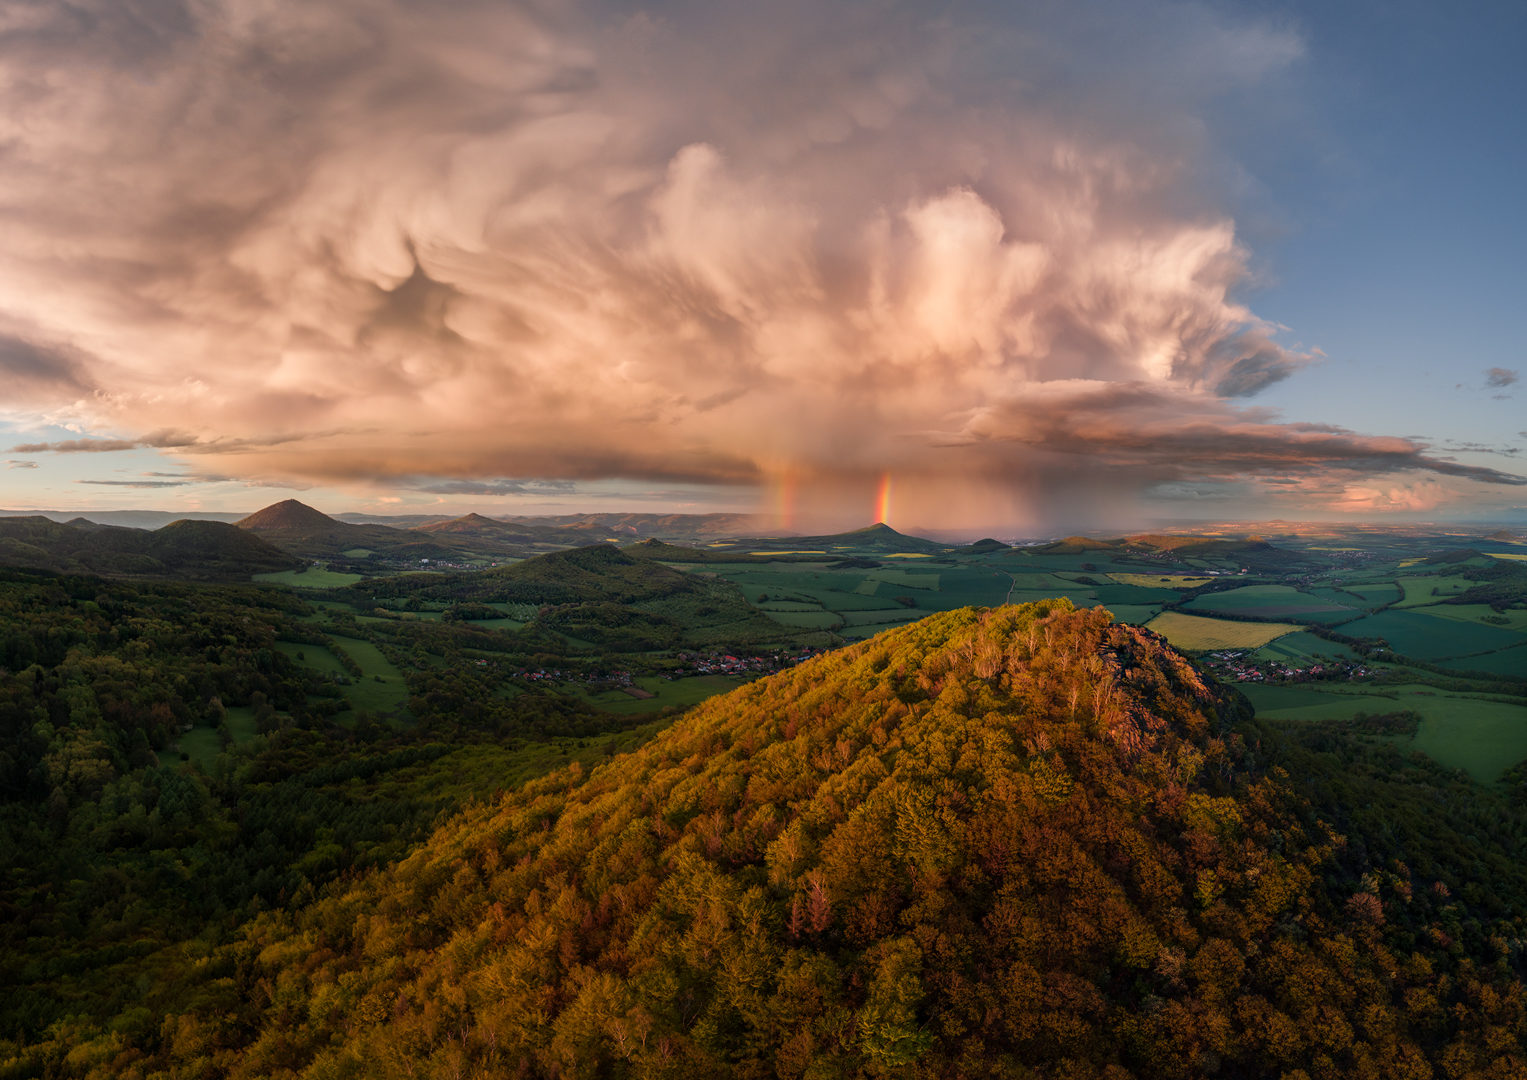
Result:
[
  {"x": 1239, "y": 666},
  {"x": 726, "y": 664}
]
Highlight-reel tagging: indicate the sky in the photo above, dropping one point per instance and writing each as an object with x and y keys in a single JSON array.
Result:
[{"x": 1002, "y": 267}]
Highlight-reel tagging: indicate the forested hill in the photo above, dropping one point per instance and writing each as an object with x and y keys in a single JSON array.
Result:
[
  {"x": 991, "y": 843},
  {"x": 194, "y": 550}
]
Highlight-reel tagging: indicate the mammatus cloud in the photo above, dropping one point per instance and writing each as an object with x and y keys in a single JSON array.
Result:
[{"x": 796, "y": 248}]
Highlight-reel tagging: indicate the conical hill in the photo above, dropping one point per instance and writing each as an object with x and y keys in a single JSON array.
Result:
[
  {"x": 288, "y": 514},
  {"x": 991, "y": 843}
]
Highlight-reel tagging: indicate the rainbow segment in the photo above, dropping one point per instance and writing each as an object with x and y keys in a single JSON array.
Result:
[
  {"x": 883, "y": 500},
  {"x": 784, "y": 500}
]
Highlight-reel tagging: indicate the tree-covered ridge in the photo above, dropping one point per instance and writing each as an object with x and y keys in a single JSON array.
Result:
[
  {"x": 187, "y": 550},
  {"x": 120, "y": 850},
  {"x": 1012, "y": 842}
]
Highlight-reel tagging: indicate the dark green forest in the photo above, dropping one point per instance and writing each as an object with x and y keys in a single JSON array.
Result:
[{"x": 120, "y": 849}]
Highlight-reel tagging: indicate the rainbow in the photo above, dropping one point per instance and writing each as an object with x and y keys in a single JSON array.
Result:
[
  {"x": 883, "y": 500},
  {"x": 784, "y": 499}
]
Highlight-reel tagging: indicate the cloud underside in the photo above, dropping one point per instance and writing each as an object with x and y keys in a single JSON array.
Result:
[{"x": 469, "y": 247}]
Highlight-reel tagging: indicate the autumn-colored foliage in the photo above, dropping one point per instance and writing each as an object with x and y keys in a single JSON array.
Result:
[{"x": 1015, "y": 842}]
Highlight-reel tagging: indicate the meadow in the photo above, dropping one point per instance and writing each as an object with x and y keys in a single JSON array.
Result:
[{"x": 310, "y": 577}]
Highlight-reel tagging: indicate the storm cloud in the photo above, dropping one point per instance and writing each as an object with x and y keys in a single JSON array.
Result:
[{"x": 384, "y": 241}]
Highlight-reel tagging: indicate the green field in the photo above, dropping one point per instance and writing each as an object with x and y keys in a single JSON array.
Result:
[
  {"x": 1306, "y": 702},
  {"x": 1428, "y": 589},
  {"x": 312, "y": 577},
  {"x": 1133, "y": 594},
  {"x": 1198, "y": 634},
  {"x": 1510, "y": 662},
  {"x": 1430, "y": 637},
  {"x": 1483, "y": 738},
  {"x": 680, "y": 693},
  {"x": 1270, "y": 602},
  {"x": 906, "y": 579},
  {"x": 1510, "y": 619},
  {"x": 1376, "y": 594},
  {"x": 1303, "y": 648}
]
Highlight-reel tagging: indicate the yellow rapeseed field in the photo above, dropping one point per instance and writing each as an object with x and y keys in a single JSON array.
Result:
[
  {"x": 1161, "y": 581},
  {"x": 1196, "y": 633}
]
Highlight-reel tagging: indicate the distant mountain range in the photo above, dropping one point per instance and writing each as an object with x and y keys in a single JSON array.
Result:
[
  {"x": 626, "y": 525},
  {"x": 290, "y": 530}
]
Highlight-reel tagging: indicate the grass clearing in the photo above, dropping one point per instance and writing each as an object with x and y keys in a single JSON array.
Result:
[
  {"x": 202, "y": 745},
  {"x": 314, "y": 657},
  {"x": 1196, "y": 633},
  {"x": 505, "y": 623},
  {"x": 381, "y": 687},
  {"x": 1517, "y": 556},
  {"x": 907, "y": 555},
  {"x": 313, "y": 577}
]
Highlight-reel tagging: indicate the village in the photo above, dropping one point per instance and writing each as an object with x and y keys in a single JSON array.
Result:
[{"x": 1239, "y": 665}]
